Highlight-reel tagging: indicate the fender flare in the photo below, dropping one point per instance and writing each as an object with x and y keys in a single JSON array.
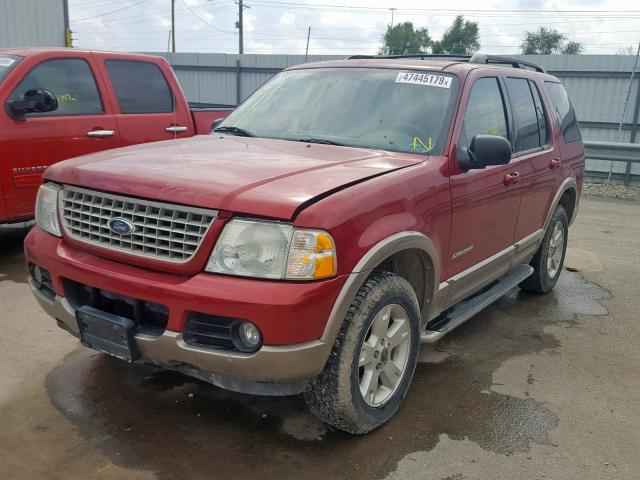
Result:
[
  {"x": 374, "y": 257},
  {"x": 567, "y": 184}
]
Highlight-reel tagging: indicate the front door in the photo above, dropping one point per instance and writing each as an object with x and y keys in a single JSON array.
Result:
[
  {"x": 485, "y": 202},
  {"x": 80, "y": 125}
]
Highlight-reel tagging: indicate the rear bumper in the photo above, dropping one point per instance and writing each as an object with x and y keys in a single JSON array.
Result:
[{"x": 291, "y": 316}]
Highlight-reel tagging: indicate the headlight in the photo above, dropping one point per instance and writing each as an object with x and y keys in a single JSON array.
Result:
[
  {"x": 47, "y": 209},
  {"x": 254, "y": 248}
]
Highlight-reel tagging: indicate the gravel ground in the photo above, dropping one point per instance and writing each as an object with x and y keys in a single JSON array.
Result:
[{"x": 611, "y": 191}]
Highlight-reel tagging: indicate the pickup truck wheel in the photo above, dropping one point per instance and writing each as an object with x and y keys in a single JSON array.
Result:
[
  {"x": 371, "y": 366},
  {"x": 548, "y": 260}
]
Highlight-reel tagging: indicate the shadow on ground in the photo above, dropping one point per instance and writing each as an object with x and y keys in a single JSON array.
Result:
[
  {"x": 12, "y": 265},
  {"x": 176, "y": 427}
]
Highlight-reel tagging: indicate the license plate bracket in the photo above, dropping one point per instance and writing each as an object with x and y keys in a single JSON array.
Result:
[{"x": 107, "y": 333}]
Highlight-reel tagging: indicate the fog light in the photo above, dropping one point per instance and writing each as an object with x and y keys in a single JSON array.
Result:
[
  {"x": 246, "y": 337},
  {"x": 36, "y": 272}
]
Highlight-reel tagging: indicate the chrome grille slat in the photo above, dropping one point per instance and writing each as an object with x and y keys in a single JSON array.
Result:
[{"x": 171, "y": 233}]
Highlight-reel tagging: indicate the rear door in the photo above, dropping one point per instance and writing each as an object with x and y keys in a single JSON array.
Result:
[
  {"x": 147, "y": 109},
  {"x": 485, "y": 202},
  {"x": 82, "y": 124},
  {"x": 537, "y": 151}
]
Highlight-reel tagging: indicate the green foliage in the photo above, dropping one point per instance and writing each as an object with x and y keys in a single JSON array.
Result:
[
  {"x": 572, "y": 48},
  {"x": 403, "y": 39},
  {"x": 547, "y": 41},
  {"x": 461, "y": 38}
]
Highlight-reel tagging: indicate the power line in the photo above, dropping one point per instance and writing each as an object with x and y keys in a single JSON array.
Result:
[
  {"x": 430, "y": 10},
  {"x": 111, "y": 12},
  {"x": 202, "y": 19}
]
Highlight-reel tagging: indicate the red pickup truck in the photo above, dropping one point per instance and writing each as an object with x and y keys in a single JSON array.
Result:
[
  {"x": 63, "y": 103},
  {"x": 345, "y": 213}
]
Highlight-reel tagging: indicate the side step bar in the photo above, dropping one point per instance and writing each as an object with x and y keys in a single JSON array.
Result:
[{"x": 466, "y": 309}]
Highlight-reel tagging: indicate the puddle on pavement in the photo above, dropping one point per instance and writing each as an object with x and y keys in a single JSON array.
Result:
[
  {"x": 176, "y": 427},
  {"x": 12, "y": 265}
]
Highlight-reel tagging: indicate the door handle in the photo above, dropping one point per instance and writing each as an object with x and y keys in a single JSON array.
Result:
[
  {"x": 512, "y": 177},
  {"x": 101, "y": 133},
  {"x": 555, "y": 163},
  {"x": 176, "y": 129}
]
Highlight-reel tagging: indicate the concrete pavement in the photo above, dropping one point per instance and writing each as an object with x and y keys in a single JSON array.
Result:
[{"x": 533, "y": 387}]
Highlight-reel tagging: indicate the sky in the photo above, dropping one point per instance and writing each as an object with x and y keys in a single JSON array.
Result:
[{"x": 343, "y": 27}]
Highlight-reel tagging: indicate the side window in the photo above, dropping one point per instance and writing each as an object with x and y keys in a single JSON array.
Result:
[
  {"x": 525, "y": 115},
  {"x": 543, "y": 121},
  {"x": 485, "y": 114},
  {"x": 70, "y": 80},
  {"x": 140, "y": 87},
  {"x": 565, "y": 112}
]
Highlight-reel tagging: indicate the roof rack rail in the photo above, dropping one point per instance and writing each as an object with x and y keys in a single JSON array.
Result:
[
  {"x": 464, "y": 58},
  {"x": 514, "y": 62},
  {"x": 479, "y": 58}
]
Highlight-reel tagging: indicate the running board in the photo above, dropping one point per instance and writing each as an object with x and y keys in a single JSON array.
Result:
[{"x": 466, "y": 309}]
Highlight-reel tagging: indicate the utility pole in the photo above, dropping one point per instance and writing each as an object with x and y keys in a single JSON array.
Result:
[
  {"x": 306, "y": 52},
  {"x": 173, "y": 26},
  {"x": 240, "y": 26},
  {"x": 392, "y": 12}
]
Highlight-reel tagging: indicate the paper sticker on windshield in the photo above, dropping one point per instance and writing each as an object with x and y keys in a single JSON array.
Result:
[
  {"x": 426, "y": 79},
  {"x": 6, "y": 62}
]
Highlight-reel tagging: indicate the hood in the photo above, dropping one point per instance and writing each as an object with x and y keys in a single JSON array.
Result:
[{"x": 262, "y": 177}]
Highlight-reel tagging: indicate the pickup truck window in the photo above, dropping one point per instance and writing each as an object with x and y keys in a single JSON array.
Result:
[
  {"x": 565, "y": 112},
  {"x": 524, "y": 111},
  {"x": 359, "y": 107},
  {"x": 70, "y": 80},
  {"x": 485, "y": 114},
  {"x": 7, "y": 62},
  {"x": 140, "y": 87}
]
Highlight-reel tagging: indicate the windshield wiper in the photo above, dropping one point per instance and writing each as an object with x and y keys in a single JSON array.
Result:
[
  {"x": 323, "y": 141},
  {"x": 234, "y": 131}
]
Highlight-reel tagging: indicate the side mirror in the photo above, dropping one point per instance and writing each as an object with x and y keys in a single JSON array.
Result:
[
  {"x": 215, "y": 123},
  {"x": 484, "y": 150},
  {"x": 37, "y": 100}
]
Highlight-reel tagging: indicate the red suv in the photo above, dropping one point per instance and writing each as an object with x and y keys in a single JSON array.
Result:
[{"x": 347, "y": 212}]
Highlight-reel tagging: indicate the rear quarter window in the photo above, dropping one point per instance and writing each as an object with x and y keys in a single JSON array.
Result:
[
  {"x": 564, "y": 111},
  {"x": 140, "y": 87}
]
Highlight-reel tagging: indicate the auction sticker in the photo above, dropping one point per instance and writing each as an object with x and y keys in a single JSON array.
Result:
[
  {"x": 6, "y": 62},
  {"x": 427, "y": 79}
]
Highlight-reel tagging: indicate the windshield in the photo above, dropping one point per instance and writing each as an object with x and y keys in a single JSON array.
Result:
[
  {"x": 7, "y": 62},
  {"x": 396, "y": 110}
]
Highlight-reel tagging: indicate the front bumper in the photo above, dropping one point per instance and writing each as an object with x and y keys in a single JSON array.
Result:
[{"x": 291, "y": 316}]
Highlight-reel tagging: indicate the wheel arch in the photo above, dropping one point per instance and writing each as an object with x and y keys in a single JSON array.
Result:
[
  {"x": 399, "y": 253},
  {"x": 567, "y": 196}
]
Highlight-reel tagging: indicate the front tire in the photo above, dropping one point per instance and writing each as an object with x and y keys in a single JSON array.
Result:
[
  {"x": 373, "y": 359},
  {"x": 548, "y": 260}
]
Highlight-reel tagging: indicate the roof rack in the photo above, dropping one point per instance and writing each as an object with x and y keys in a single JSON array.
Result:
[
  {"x": 464, "y": 58},
  {"x": 514, "y": 62},
  {"x": 477, "y": 58}
]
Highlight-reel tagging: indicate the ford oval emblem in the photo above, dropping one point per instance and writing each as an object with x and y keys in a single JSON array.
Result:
[{"x": 120, "y": 226}]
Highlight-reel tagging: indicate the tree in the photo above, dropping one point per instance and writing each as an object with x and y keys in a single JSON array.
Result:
[
  {"x": 547, "y": 41},
  {"x": 626, "y": 51},
  {"x": 572, "y": 48},
  {"x": 461, "y": 38},
  {"x": 403, "y": 39}
]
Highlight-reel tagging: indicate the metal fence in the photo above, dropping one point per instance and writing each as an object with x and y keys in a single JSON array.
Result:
[{"x": 597, "y": 85}]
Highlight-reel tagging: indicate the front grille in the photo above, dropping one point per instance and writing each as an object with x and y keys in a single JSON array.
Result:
[
  {"x": 166, "y": 232},
  {"x": 150, "y": 318}
]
